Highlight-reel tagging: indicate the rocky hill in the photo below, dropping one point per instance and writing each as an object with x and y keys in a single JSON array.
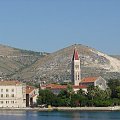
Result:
[
  {"x": 13, "y": 60},
  {"x": 116, "y": 56},
  {"x": 56, "y": 67}
]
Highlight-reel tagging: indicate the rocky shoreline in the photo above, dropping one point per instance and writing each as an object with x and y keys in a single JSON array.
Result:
[{"x": 116, "y": 108}]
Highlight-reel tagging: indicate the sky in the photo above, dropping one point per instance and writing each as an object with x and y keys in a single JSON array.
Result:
[{"x": 50, "y": 25}]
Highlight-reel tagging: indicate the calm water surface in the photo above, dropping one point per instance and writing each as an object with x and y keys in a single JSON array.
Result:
[{"x": 30, "y": 115}]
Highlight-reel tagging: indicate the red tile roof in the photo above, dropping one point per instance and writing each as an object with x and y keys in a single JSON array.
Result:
[
  {"x": 75, "y": 55},
  {"x": 55, "y": 86},
  {"x": 89, "y": 79},
  {"x": 59, "y": 87},
  {"x": 29, "y": 89}
]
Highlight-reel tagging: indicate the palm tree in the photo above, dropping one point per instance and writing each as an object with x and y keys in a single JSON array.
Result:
[{"x": 91, "y": 93}]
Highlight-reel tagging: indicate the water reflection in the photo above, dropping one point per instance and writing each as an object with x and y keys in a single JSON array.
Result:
[
  {"x": 57, "y": 115},
  {"x": 11, "y": 112},
  {"x": 76, "y": 116}
]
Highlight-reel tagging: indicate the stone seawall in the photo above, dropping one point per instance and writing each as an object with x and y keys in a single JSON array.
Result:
[
  {"x": 65, "y": 109},
  {"x": 89, "y": 108}
]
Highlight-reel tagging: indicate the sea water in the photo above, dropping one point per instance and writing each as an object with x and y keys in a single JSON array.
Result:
[{"x": 57, "y": 115}]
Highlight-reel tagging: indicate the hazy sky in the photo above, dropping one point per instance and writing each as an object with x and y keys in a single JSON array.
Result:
[{"x": 49, "y": 25}]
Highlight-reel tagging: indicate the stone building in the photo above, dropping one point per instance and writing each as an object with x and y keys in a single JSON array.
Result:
[
  {"x": 31, "y": 96},
  {"x": 76, "y": 75},
  {"x": 77, "y": 82},
  {"x": 12, "y": 94},
  {"x": 56, "y": 88},
  {"x": 94, "y": 81}
]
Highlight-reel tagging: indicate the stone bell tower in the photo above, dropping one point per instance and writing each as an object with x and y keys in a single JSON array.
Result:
[{"x": 76, "y": 72}]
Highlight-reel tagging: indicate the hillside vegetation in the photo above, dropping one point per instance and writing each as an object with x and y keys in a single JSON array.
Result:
[
  {"x": 13, "y": 60},
  {"x": 56, "y": 67}
]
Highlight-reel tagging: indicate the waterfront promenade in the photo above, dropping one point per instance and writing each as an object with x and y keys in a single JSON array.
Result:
[
  {"x": 89, "y": 108},
  {"x": 115, "y": 108}
]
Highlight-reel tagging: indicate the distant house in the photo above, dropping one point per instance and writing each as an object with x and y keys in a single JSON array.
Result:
[
  {"x": 12, "y": 94},
  {"x": 31, "y": 96},
  {"x": 94, "y": 81},
  {"x": 55, "y": 88},
  {"x": 17, "y": 94}
]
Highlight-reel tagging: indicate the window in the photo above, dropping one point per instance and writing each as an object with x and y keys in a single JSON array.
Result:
[
  {"x": 1, "y": 102},
  {"x": 1, "y": 95},
  {"x": 6, "y": 90},
  {"x": 12, "y": 95},
  {"x": 1, "y": 90},
  {"x": 12, "y": 102},
  {"x": 6, "y": 102},
  {"x": 7, "y": 95},
  {"x": 12, "y": 90},
  {"x": 78, "y": 76}
]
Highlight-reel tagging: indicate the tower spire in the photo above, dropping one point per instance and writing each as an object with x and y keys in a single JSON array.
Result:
[{"x": 75, "y": 55}]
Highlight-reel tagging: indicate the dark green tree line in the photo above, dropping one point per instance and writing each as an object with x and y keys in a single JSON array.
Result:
[{"x": 93, "y": 97}]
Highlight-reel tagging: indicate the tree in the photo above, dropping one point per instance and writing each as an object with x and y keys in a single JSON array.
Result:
[
  {"x": 81, "y": 92},
  {"x": 75, "y": 100},
  {"x": 97, "y": 96},
  {"x": 39, "y": 100},
  {"x": 117, "y": 89},
  {"x": 63, "y": 98},
  {"x": 91, "y": 92},
  {"x": 46, "y": 97},
  {"x": 70, "y": 92},
  {"x": 108, "y": 93},
  {"x": 63, "y": 94},
  {"x": 82, "y": 97},
  {"x": 112, "y": 84}
]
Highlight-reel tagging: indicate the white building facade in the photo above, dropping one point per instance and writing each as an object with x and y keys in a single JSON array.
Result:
[{"x": 12, "y": 94}]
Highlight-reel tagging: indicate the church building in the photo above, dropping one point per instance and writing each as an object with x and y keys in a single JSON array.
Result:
[
  {"x": 75, "y": 77},
  {"x": 77, "y": 81}
]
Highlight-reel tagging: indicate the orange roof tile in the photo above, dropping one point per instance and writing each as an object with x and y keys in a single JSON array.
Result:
[
  {"x": 59, "y": 87},
  {"x": 55, "y": 86},
  {"x": 89, "y": 79},
  {"x": 29, "y": 89}
]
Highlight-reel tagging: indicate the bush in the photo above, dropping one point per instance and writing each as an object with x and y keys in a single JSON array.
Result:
[{"x": 102, "y": 103}]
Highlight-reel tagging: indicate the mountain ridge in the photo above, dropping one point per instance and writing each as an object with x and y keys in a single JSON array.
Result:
[
  {"x": 56, "y": 67},
  {"x": 15, "y": 59}
]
